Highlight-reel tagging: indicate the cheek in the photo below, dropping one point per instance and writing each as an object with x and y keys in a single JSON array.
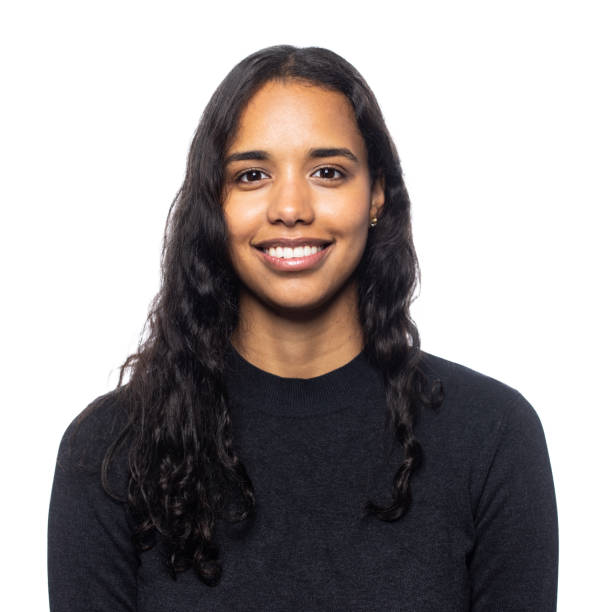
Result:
[
  {"x": 240, "y": 221},
  {"x": 347, "y": 211}
]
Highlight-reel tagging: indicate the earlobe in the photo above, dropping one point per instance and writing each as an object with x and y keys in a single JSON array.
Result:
[{"x": 378, "y": 197}]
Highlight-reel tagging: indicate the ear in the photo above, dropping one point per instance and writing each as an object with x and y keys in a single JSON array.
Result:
[{"x": 377, "y": 197}]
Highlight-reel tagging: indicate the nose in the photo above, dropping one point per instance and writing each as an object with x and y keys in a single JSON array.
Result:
[{"x": 290, "y": 199}]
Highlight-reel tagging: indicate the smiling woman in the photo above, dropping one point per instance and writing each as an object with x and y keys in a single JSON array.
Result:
[
  {"x": 283, "y": 443},
  {"x": 311, "y": 188}
]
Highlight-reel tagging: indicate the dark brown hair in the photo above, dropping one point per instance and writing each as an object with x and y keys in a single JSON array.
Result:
[{"x": 183, "y": 468}]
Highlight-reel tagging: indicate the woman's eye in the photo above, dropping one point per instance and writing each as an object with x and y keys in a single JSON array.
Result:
[
  {"x": 251, "y": 176},
  {"x": 328, "y": 173}
]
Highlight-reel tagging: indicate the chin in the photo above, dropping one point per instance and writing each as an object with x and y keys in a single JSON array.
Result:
[{"x": 296, "y": 307}]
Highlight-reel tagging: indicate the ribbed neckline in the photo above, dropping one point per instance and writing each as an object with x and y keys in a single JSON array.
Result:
[{"x": 299, "y": 397}]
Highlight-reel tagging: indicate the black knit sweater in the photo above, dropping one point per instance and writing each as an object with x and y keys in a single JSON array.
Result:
[{"x": 481, "y": 534}]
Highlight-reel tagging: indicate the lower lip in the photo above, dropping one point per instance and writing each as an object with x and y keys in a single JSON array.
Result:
[{"x": 295, "y": 263}]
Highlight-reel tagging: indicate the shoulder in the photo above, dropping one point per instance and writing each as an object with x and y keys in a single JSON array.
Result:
[
  {"x": 90, "y": 434},
  {"x": 479, "y": 406},
  {"x": 459, "y": 379},
  {"x": 484, "y": 431}
]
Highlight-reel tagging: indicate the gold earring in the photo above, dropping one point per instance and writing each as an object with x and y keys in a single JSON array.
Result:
[{"x": 373, "y": 222}]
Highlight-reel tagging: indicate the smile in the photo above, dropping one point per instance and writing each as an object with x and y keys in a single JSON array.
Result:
[
  {"x": 290, "y": 253},
  {"x": 300, "y": 258}
]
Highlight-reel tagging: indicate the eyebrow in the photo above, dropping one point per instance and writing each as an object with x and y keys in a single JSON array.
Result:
[{"x": 312, "y": 154}]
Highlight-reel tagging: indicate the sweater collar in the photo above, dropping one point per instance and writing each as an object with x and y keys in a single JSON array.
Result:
[{"x": 253, "y": 387}]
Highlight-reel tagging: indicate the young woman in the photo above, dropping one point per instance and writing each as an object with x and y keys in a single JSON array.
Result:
[{"x": 283, "y": 443}]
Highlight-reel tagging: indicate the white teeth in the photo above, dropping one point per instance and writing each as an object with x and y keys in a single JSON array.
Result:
[{"x": 288, "y": 253}]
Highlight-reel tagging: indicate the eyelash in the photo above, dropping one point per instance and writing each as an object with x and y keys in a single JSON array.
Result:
[{"x": 245, "y": 172}]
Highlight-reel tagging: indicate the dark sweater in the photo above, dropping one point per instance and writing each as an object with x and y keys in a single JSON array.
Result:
[{"x": 481, "y": 533}]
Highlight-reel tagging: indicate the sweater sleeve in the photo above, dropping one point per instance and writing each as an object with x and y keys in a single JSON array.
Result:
[
  {"x": 514, "y": 563},
  {"x": 91, "y": 562}
]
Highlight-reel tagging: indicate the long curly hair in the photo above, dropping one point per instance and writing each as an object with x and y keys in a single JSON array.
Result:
[{"x": 184, "y": 475}]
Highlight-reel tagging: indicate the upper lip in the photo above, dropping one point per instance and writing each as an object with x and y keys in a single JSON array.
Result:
[{"x": 291, "y": 242}]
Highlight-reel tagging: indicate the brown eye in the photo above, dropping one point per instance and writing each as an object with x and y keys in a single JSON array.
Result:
[
  {"x": 251, "y": 176},
  {"x": 329, "y": 173}
]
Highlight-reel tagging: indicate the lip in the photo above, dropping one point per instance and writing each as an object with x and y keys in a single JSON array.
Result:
[{"x": 294, "y": 264}]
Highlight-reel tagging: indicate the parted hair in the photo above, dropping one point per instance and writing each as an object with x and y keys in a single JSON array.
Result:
[{"x": 184, "y": 473}]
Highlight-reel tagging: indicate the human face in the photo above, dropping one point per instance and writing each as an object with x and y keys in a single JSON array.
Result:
[{"x": 297, "y": 168}]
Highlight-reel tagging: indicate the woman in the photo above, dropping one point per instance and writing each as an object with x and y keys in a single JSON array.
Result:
[{"x": 283, "y": 443}]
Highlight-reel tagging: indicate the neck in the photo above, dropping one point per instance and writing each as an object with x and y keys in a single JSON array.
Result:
[{"x": 298, "y": 344}]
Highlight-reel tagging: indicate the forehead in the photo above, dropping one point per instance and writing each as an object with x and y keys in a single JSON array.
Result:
[{"x": 297, "y": 115}]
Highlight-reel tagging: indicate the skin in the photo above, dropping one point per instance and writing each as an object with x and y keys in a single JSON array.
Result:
[{"x": 299, "y": 324}]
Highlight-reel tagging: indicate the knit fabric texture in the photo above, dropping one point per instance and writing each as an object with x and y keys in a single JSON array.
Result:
[{"x": 481, "y": 533}]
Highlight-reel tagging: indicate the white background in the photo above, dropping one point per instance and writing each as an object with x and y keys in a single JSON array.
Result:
[{"x": 501, "y": 114}]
